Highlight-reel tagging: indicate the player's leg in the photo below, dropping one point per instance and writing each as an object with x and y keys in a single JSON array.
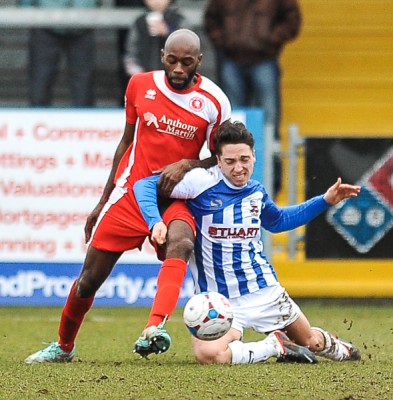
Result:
[
  {"x": 215, "y": 351},
  {"x": 180, "y": 241},
  {"x": 230, "y": 349},
  {"x": 337, "y": 349},
  {"x": 267, "y": 310},
  {"x": 116, "y": 231},
  {"x": 262, "y": 312},
  {"x": 321, "y": 342},
  {"x": 276, "y": 344},
  {"x": 154, "y": 338},
  {"x": 97, "y": 267},
  {"x": 301, "y": 333},
  {"x": 179, "y": 246}
]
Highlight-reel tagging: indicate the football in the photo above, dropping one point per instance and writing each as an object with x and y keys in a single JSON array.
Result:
[{"x": 208, "y": 315}]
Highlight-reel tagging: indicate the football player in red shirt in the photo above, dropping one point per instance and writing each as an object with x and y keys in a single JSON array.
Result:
[{"x": 169, "y": 116}]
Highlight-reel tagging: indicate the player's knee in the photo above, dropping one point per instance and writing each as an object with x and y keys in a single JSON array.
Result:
[
  {"x": 185, "y": 244},
  {"x": 208, "y": 355},
  {"x": 180, "y": 242},
  {"x": 85, "y": 287},
  {"x": 211, "y": 352}
]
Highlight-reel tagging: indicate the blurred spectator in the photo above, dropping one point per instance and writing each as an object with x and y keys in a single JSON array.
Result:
[
  {"x": 248, "y": 37},
  {"x": 46, "y": 48},
  {"x": 121, "y": 46},
  {"x": 148, "y": 34}
]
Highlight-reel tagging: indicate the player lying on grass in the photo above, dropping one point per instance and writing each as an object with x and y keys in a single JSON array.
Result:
[{"x": 229, "y": 210}]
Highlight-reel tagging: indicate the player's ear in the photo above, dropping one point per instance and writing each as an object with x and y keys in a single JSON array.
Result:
[
  {"x": 200, "y": 59},
  {"x": 162, "y": 56}
]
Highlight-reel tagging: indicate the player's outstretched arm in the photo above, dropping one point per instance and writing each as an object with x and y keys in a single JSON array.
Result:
[{"x": 340, "y": 191}]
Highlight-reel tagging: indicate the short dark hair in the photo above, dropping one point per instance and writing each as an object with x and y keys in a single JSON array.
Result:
[{"x": 232, "y": 133}]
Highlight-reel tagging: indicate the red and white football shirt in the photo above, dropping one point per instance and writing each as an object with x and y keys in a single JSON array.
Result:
[{"x": 170, "y": 124}]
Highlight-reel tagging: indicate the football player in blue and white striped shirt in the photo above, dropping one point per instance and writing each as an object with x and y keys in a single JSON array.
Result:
[{"x": 230, "y": 209}]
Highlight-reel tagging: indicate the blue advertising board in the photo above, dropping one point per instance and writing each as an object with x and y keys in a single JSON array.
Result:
[{"x": 48, "y": 284}]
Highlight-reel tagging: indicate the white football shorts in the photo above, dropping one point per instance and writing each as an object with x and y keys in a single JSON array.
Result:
[{"x": 265, "y": 310}]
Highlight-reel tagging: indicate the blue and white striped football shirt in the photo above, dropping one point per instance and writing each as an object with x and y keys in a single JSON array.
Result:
[{"x": 228, "y": 255}]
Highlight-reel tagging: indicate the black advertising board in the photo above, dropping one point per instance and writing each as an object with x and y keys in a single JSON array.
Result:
[{"x": 356, "y": 228}]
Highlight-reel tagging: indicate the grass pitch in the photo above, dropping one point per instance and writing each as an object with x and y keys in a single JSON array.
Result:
[{"x": 106, "y": 368}]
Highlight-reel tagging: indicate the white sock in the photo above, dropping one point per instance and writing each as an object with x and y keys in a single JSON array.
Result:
[
  {"x": 334, "y": 349},
  {"x": 253, "y": 352}
]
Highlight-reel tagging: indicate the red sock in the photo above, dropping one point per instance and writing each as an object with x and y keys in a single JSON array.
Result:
[
  {"x": 71, "y": 319},
  {"x": 169, "y": 282}
]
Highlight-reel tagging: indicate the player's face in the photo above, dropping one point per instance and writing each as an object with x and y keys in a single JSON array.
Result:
[
  {"x": 180, "y": 65},
  {"x": 237, "y": 163}
]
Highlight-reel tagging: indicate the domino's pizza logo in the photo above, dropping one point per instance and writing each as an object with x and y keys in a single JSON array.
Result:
[{"x": 364, "y": 220}]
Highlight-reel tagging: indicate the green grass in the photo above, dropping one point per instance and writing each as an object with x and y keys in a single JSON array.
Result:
[{"x": 106, "y": 368}]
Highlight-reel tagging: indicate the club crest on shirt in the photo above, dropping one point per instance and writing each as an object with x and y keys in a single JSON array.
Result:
[
  {"x": 150, "y": 94},
  {"x": 197, "y": 104}
]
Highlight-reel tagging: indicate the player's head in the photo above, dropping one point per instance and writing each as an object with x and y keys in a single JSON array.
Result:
[
  {"x": 181, "y": 58},
  {"x": 234, "y": 146}
]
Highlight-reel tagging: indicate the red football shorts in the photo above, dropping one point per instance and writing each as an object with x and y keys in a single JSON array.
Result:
[{"x": 122, "y": 227}]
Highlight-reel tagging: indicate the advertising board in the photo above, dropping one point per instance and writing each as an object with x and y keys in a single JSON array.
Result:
[{"x": 54, "y": 164}]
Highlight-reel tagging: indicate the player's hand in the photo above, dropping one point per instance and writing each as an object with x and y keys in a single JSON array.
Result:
[
  {"x": 340, "y": 191},
  {"x": 158, "y": 233},
  {"x": 92, "y": 220},
  {"x": 171, "y": 175}
]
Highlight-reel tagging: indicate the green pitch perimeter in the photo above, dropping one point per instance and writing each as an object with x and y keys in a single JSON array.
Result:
[{"x": 106, "y": 368}]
